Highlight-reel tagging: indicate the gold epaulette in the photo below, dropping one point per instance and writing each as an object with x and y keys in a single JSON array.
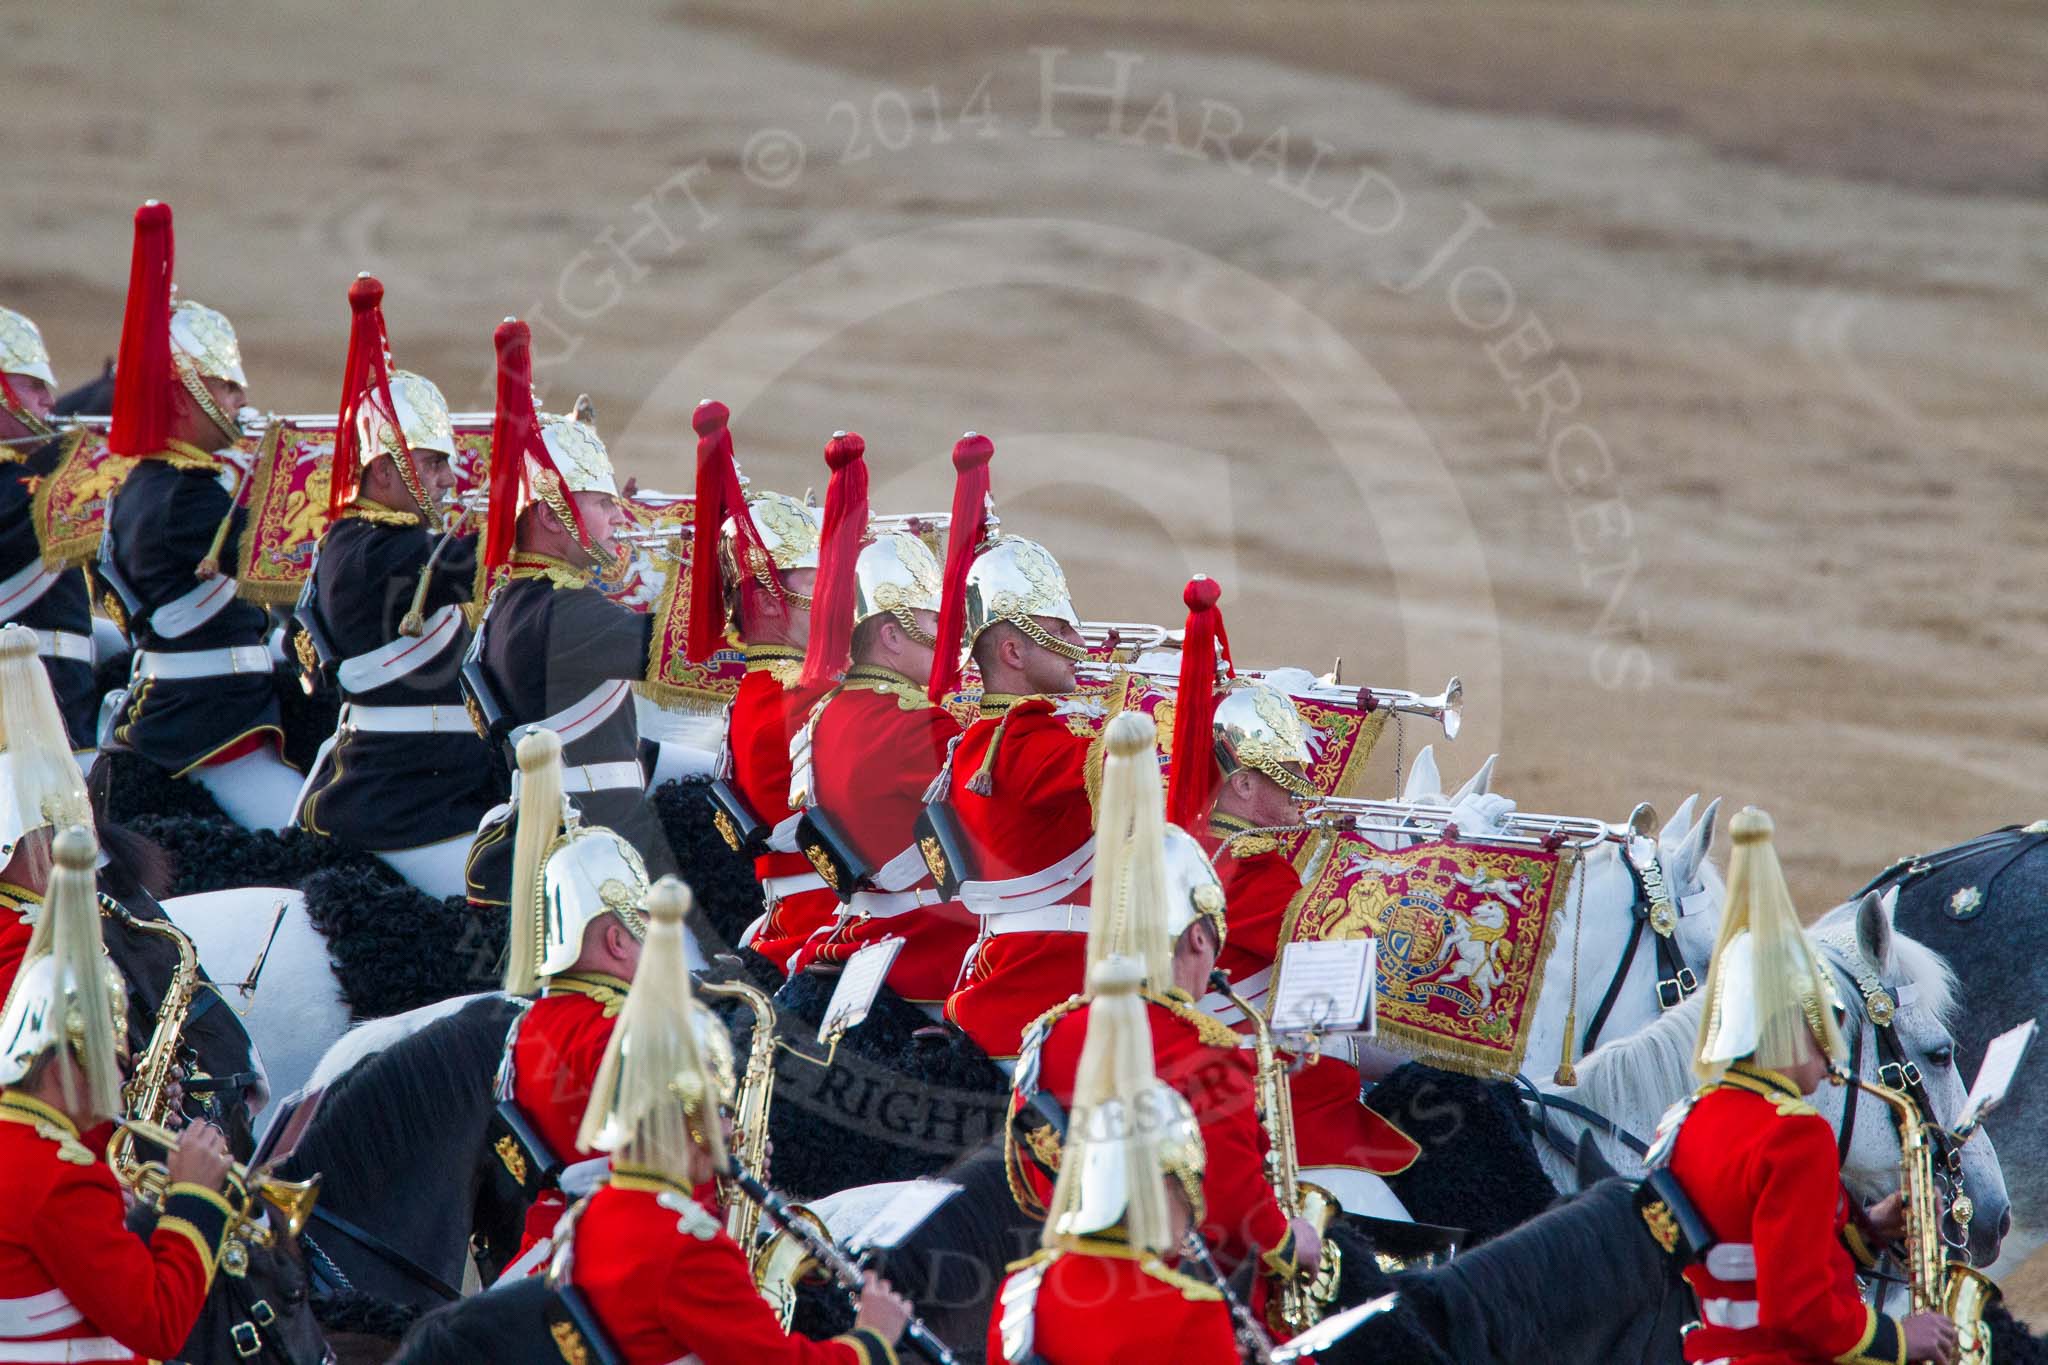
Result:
[
  {"x": 1250, "y": 845},
  {"x": 1768, "y": 1085},
  {"x": 379, "y": 515},
  {"x": 1191, "y": 1289},
  {"x": 185, "y": 455},
  {"x": 780, "y": 662},
  {"x": 559, "y": 572},
  {"x": 608, "y": 992},
  {"x": 1178, "y": 1003}
]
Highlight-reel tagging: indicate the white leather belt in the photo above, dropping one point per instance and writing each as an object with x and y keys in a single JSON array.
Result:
[
  {"x": 597, "y": 777},
  {"x": 889, "y": 904},
  {"x": 446, "y": 718},
  {"x": 38, "y": 1314},
  {"x": 1049, "y": 919},
  {"x": 1047, "y": 888},
  {"x": 194, "y": 607},
  {"x": 1740, "y": 1314},
  {"x": 1253, "y": 987},
  {"x": 1732, "y": 1262},
  {"x": 782, "y": 838},
  {"x": 25, "y": 587},
  {"x": 169, "y": 665},
  {"x": 778, "y": 889},
  {"x": 66, "y": 1351},
  {"x": 64, "y": 644},
  {"x": 580, "y": 717},
  {"x": 388, "y": 663}
]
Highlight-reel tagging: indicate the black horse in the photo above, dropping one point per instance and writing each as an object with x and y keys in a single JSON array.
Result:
[
  {"x": 406, "y": 1172},
  {"x": 260, "y": 1317}
]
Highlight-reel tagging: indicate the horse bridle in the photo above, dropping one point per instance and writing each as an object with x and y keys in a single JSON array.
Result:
[
  {"x": 1657, "y": 910},
  {"x": 378, "y": 1247}
]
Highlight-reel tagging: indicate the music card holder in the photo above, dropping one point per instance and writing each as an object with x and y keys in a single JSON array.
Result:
[
  {"x": 1325, "y": 988},
  {"x": 2002, "y": 1058},
  {"x": 859, "y": 982},
  {"x": 1331, "y": 1330},
  {"x": 905, "y": 1212}
]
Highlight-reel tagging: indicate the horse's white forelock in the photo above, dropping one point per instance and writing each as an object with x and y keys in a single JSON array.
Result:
[
  {"x": 1913, "y": 963},
  {"x": 1645, "y": 1070}
]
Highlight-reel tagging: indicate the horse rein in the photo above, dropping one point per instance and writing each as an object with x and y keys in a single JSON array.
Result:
[{"x": 382, "y": 1250}]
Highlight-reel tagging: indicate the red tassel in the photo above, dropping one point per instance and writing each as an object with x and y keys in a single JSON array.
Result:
[
  {"x": 513, "y": 434},
  {"x": 971, "y": 454},
  {"x": 718, "y": 497},
  {"x": 366, "y": 346},
  {"x": 1191, "y": 785},
  {"x": 830, "y": 650},
  {"x": 143, "y": 381}
]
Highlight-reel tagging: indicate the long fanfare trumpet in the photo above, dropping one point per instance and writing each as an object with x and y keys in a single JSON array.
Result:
[
  {"x": 1959, "y": 1292},
  {"x": 248, "y": 1225},
  {"x": 804, "y": 1227},
  {"x": 1299, "y": 1301},
  {"x": 1446, "y": 708},
  {"x": 1523, "y": 828}
]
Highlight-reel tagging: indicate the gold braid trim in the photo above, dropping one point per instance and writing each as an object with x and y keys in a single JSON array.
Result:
[
  {"x": 378, "y": 514},
  {"x": 1181, "y": 1006}
]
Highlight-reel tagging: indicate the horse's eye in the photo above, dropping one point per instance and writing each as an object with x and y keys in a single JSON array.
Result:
[{"x": 1942, "y": 1058}]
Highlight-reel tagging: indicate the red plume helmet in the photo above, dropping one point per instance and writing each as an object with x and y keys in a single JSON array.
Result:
[
  {"x": 143, "y": 380},
  {"x": 1192, "y": 783},
  {"x": 718, "y": 497},
  {"x": 830, "y": 649},
  {"x": 971, "y": 454},
  {"x": 367, "y": 374}
]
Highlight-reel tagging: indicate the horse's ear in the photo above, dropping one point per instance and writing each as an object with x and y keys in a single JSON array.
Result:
[
  {"x": 1874, "y": 931},
  {"x": 1680, "y": 821},
  {"x": 1479, "y": 784},
  {"x": 1423, "y": 779},
  {"x": 1691, "y": 854},
  {"x": 1593, "y": 1166}
]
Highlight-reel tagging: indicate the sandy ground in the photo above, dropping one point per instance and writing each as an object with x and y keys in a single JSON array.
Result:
[{"x": 1673, "y": 372}]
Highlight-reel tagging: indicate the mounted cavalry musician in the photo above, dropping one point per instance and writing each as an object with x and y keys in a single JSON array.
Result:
[
  {"x": 1155, "y": 902},
  {"x": 1103, "y": 1291},
  {"x": 757, "y": 586},
  {"x": 574, "y": 944},
  {"x": 41, "y": 792},
  {"x": 1013, "y": 812},
  {"x": 405, "y": 774},
  {"x": 75, "y": 1282},
  {"x": 553, "y": 652},
  {"x": 1258, "y": 774},
  {"x": 200, "y": 701},
  {"x": 52, "y": 601},
  {"x": 867, "y": 753},
  {"x": 1758, "y": 1165},
  {"x": 655, "y": 1266}
]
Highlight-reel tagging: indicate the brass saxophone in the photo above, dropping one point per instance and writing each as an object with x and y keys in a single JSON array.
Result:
[
  {"x": 750, "y": 1120},
  {"x": 1298, "y": 1302},
  {"x": 1959, "y": 1292},
  {"x": 147, "y": 1094}
]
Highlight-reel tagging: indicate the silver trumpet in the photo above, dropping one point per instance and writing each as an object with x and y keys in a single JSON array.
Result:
[
  {"x": 1447, "y": 707},
  {"x": 1525, "y": 828},
  {"x": 254, "y": 423},
  {"x": 1137, "y": 636}
]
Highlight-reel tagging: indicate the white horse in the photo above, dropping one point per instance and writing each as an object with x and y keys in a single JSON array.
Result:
[
  {"x": 1594, "y": 915},
  {"x": 1634, "y": 1080}
]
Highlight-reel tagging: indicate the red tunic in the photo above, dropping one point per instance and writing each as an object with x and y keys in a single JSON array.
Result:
[
  {"x": 1037, "y": 811},
  {"x": 766, "y": 714},
  {"x": 1200, "y": 1058},
  {"x": 71, "y": 1271},
  {"x": 1780, "y": 1287},
  {"x": 16, "y": 908},
  {"x": 1102, "y": 1304},
  {"x": 1332, "y": 1126},
  {"x": 554, "y": 1060},
  {"x": 876, "y": 745},
  {"x": 667, "y": 1283}
]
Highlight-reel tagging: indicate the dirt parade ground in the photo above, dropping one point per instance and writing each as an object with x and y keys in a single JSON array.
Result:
[{"x": 1672, "y": 373}]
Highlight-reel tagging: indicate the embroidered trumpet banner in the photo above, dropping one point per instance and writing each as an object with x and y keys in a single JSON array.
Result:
[
  {"x": 70, "y": 506},
  {"x": 1464, "y": 933}
]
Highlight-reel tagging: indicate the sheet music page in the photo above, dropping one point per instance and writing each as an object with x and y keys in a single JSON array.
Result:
[
  {"x": 1325, "y": 986},
  {"x": 903, "y": 1214},
  {"x": 2002, "y": 1058},
  {"x": 859, "y": 980}
]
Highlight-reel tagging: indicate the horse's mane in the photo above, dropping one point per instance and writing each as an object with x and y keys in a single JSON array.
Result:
[
  {"x": 397, "y": 1105},
  {"x": 1645, "y": 1066},
  {"x": 1506, "y": 1301}
]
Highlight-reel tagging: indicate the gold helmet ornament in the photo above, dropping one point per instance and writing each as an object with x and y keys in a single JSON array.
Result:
[
  {"x": 23, "y": 356},
  {"x": 565, "y": 874},
  {"x": 1151, "y": 880},
  {"x": 386, "y": 414},
  {"x": 1018, "y": 581},
  {"x": 1258, "y": 727},
  {"x": 898, "y": 576},
  {"x": 668, "y": 1070},
  {"x": 166, "y": 346},
  {"x": 536, "y": 458},
  {"x": 758, "y": 535},
  {"x": 40, "y": 785},
  {"x": 1768, "y": 992},
  {"x": 67, "y": 994},
  {"x": 1128, "y": 1132}
]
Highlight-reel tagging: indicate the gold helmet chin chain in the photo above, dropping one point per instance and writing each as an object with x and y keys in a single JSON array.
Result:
[
  {"x": 35, "y": 427},
  {"x": 408, "y": 473},
  {"x": 909, "y": 626},
  {"x": 1044, "y": 639},
  {"x": 201, "y": 395}
]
